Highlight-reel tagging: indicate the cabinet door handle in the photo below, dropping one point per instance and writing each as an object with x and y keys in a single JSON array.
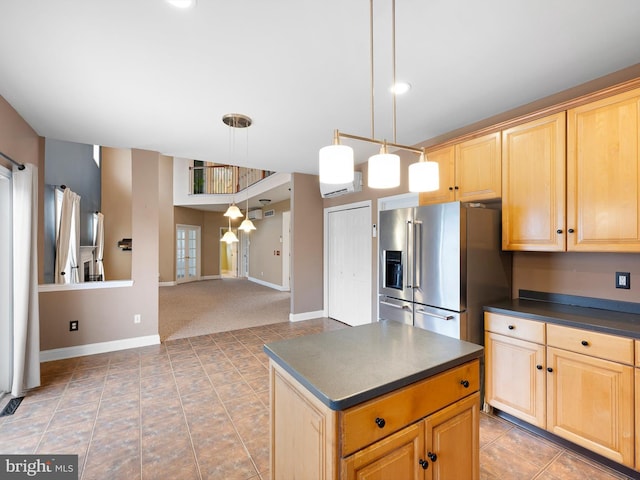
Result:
[
  {"x": 539, "y": 367},
  {"x": 456, "y": 187},
  {"x": 511, "y": 327},
  {"x": 549, "y": 369},
  {"x": 450, "y": 188},
  {"x": 424, "y": 464},
  {"x": 465, "y": 384},
  {"x": 584, "y": 343},
  {"x": 432, "y": 456},
  {"x": 559, "y": 231},
  {"x": 380, "y": 422},
  {"x": 571, "y": 230}
]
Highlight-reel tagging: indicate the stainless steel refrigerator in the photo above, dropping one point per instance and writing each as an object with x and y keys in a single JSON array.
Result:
[{"x": 439, "y": 265}]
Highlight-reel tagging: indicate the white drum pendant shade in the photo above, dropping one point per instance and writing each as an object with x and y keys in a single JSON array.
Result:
[
  {"x": 424, "y": 177},
  {"x": 336, "y": 164},
  {"x": 384, "y": 171}
]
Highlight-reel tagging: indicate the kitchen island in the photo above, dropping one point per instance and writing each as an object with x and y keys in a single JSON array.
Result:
[{"x": 377, "y": 399}]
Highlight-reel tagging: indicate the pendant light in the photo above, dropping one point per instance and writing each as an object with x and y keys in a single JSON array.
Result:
[
  {"x": 234, "y": 121},
  {"x": 336, "y": 161},
  {"x": 247, "y": 225},
  {"x": 424, "y": 176},
  {"x": 384, "y": 169},
  {"x": 229, "y": 236},
  {"x": 233, "y": 212}
]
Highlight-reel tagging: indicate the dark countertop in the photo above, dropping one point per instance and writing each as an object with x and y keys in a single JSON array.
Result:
[
  {"x": 596, "y": 319},
  {"x": 345, "y": 367}
]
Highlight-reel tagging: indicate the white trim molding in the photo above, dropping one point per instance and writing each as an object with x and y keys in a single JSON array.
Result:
[
  {"x": 58, "y": 287},
  {"x": 299, "y": 317},
  {"x": 102, "y": 347},
  {"x": 268, "y": 284}
]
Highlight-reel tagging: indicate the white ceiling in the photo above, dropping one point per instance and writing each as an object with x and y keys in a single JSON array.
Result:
[{"x": 142, "y": 74}]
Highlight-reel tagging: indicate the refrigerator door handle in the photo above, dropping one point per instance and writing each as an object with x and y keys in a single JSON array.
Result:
[
  {"x": 435, "y": 315},
  {"x": 409, "y": 255},
  {"x": 417, "y": 253},
  {"x": 399, "y": 307}
]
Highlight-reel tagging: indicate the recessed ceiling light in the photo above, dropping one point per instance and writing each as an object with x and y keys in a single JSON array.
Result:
[
  {"x": 400, "y": 87},
  {"x": 181, "y": 3}
]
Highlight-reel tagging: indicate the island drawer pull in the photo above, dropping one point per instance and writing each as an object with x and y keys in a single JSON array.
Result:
[
  {"x": 465, "y": 384},
  {"x": 380, "y": 422}
]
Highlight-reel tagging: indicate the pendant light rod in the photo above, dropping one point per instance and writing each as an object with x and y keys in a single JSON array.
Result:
[
  {"x": 393, "y": 62},
  {"x": 371, "y": 106},
  {"x": 339, "y": 134}
]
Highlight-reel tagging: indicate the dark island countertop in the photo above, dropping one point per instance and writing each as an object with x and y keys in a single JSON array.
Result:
[
  {"x": 597, "y": 319},
  {"x": 345, "y": 367}
]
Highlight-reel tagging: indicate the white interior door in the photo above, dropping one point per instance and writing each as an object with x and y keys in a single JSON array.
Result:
[
  {"x": 349, "y": 265},
  {"x": 187, "y": 253}
]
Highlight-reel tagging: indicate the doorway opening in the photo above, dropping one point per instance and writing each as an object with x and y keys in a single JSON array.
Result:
[{"x": 228, "y": 255}]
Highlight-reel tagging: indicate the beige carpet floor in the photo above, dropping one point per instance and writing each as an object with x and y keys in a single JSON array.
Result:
[{"x": 212, "y": 306}]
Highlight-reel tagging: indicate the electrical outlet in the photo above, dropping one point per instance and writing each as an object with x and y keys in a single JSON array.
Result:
[
  {"x": 623, "y": 280},
  {"x": 73, "y": 325},
  {"x": 137, "y": 318}
]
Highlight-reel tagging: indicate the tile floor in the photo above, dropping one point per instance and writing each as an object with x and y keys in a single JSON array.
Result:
[{"x": 197, "y": 408}]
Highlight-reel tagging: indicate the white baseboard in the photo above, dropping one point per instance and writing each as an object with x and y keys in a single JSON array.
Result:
[
  {"x": 102, "y": 347},
  {"x": 267, "y": 284},
  {"x": 211, "y": 277},
  {"x": 167, "y": 284},
  {"x": 299, "y": 317}
]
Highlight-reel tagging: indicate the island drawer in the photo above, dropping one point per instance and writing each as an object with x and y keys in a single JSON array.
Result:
[
  {"x": 600, "y": 345},
  {"x": 515, "y": 327},
  {"x": 368, "y": 422}
]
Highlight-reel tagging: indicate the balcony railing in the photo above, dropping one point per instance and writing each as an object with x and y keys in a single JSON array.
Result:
[{"x": 221, "y": 179}]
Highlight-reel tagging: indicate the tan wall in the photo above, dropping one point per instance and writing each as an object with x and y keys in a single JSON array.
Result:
[
  {"x": 166, "y": 226},
  {"x": 583, "y": 274},
  {"x": 306, "y": 244},
  {"x": 20, "y": 142},
  {"x": 209, "y": 223},
  {"x": 107, "y": 314},
  {"x": 264, "y": 264},
  {"x": 211, "y": 243},
  {"x": 116, "y": 178}
]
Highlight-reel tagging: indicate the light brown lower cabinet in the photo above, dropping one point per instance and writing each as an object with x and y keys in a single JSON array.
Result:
[
  {"x": 428, "y": 430},
  {"x": 586, "y": 394},
  {"x": 425, "y": 450}
]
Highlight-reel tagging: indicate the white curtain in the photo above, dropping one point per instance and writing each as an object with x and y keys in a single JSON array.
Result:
[
  {"x": 67, "y": 243},
  {"x": 100, "y": 247},
  {"x": 26, "y": 327}
]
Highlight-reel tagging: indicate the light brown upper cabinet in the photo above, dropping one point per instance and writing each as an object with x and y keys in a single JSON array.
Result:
[
  {"x": 603, "y": 175},
  {"x": 470, "y": 171},
  {"x": 533, "y": 185}
]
